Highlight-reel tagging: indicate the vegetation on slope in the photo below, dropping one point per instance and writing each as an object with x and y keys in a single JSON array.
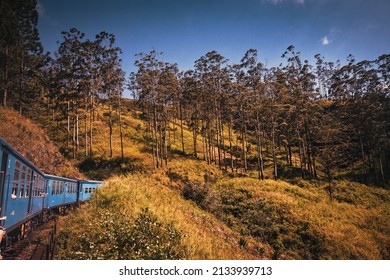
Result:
[
  {"x": 293, "y": 121},
  {"x": 195, "y": 210},
  {"x": 192, "y": 210},
  {"x": 297, "y": 221},
  {"x": 200, "y": 213},
  {"x": 33, "y": 143},
  {"x": 113, "y": 226}
]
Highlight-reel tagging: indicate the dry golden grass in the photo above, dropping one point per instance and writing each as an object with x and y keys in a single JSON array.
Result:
[
  {"x": 32, "y": 142},
  {"x": 203, "y": 236},
  {"x": 303, "y": 221},
  {"x": 357, "y": 229}
]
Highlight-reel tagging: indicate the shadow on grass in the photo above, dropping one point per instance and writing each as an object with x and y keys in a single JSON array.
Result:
[{"x": 102, "y": 168}]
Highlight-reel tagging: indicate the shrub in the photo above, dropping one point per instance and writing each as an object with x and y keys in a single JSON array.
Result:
[
  {"x": 196, "y": 191},
  {"x": 114, "y": 236}
]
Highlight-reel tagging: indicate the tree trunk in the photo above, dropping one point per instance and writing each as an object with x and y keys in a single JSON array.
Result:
[
  {"x": 300, "y": 159},
  {"x": 110, "y": 125},
  {"x": 195, "y": 136},
  {"x": 231, "y": 147},
  {"x": 91, "y": 127},
  {"x": 222, "y": 138},
  {"x": 86, "y": 126},
  {"x": 155, "y": 128},
  {"x": 68, "y": 127},
  {"x": 5, "y": 91},
  {"x": 77, "y": 130},
  {"x": 21, "y": 74},
  {"x": 74, "y": 137},
  {"x": 259, "y": 152},
  {"x": 381, "y": 165},
  {"x": 181, "y": 129},
  {"x": 218, "y": 141},
  {"x": 363, "y": 157},
  {"x": 120, "y": 127},
  {"x": 274, "y": 150},
  {"x": 165, "y": 144}
]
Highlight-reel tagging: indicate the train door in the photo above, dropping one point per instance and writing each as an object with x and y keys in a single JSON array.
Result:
[
  {"x": 3, "y": 172},
  {"x": 30, "y": 182},
  {"x": 78, "y": 199}
]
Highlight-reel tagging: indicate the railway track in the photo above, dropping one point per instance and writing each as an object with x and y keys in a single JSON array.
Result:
[{"x": 38, "y": 245}]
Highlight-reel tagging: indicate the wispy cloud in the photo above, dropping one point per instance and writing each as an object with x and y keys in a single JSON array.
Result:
[{"x": 325, "y": 41}]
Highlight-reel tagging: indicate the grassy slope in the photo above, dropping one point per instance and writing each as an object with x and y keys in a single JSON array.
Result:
[
  {"x": 235, "y": 216},
  {"x": 278, "y": 220},
  {"x": 32, "y": 142}
]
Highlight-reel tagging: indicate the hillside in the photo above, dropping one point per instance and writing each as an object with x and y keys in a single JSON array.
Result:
[
  {"x": 193, "y": 210},
  {"x": 33, "y": 143}
]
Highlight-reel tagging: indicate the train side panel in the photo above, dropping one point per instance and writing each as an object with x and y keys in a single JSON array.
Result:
[
  {"x": 87, "y": 188},
  {"x": 37, "y": 194},
  {"x": 21, "y": 188},
  {"x": 59, "y": 191}
]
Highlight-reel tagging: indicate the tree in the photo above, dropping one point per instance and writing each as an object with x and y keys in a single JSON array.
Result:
[
  {"x": 20, "y": 52},
  {"x": 112, "y": 79},
  {"x": 156, "y": 85}
]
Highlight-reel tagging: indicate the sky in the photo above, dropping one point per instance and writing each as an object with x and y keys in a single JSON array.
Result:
[{"x": 185, "y": 30}]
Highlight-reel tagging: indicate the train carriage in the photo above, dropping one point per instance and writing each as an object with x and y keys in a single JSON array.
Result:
[
  {"x": 27, "y": 195},
  {"x": 60, "y": 191},
  {"x": 21, "y": 189},
  {"x": 87, "y": 187}
]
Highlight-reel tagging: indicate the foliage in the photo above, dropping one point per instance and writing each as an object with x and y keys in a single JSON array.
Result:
[
  {"x": 195, "y": 191},
  {"x": 114, "y": 235},
  {"x": 172, "y": 227},
  {"x": 31, "y": 141},
  {"x": 269, "y": 222}
]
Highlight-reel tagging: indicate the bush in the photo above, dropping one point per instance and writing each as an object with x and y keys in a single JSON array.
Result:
[
  {"x": 268, "y": 222},
  {"x": 114, "y": 236},
  {"x": 195, "y": 191}
]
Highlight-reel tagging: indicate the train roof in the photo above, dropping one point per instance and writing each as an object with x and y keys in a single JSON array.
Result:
[
  {"x": 71, "y": 179},
  {"x": 90, "y": 181},
  {"x": 59, "y": 177},
  {"x": 19, "y": 156}
]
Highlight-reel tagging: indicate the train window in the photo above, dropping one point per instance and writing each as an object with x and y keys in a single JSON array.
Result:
[
  {"x": 28, "y": 183},
  {"x": 47, "y": 186},
  {"x": 22, "y": 182},
  {"x": 34, "y": 188},
  {"x": 36, "y": 182},
  {"x": 15, "y": 183},
  {"x": 52, "y": 188},
  {"x": 40, "y": 186}
]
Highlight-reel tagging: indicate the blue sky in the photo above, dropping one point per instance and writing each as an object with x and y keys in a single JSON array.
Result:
[{"x": 187, "y": 29}]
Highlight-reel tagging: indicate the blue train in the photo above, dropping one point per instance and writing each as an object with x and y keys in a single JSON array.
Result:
[{"x": 27, "y": 195}]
